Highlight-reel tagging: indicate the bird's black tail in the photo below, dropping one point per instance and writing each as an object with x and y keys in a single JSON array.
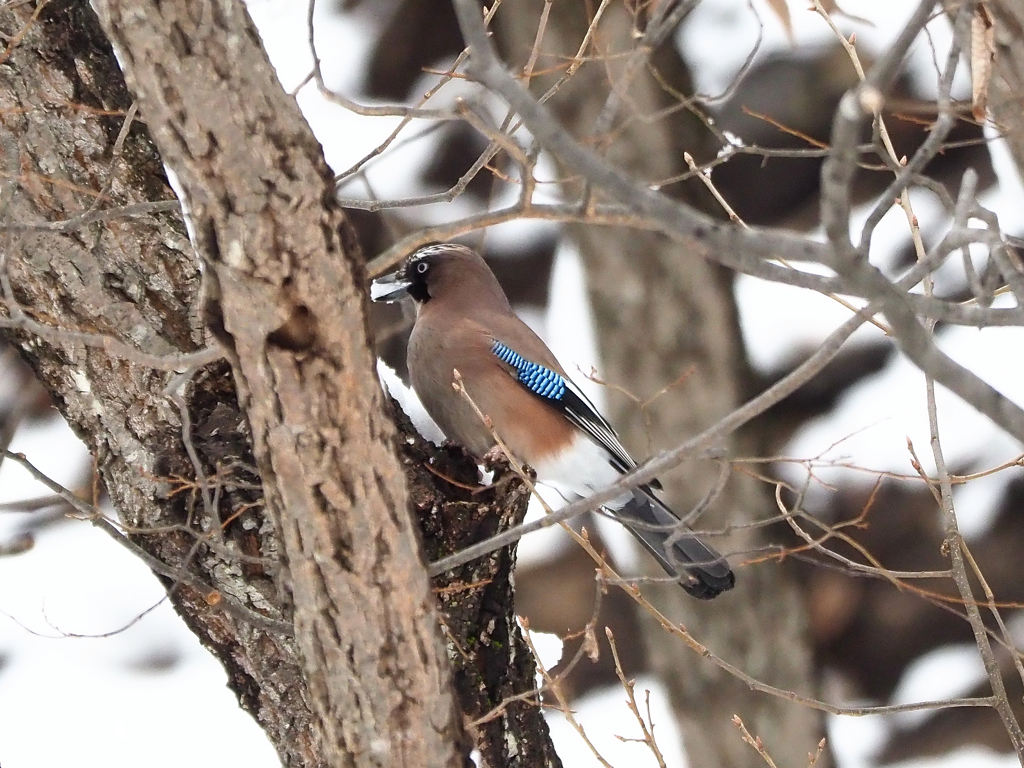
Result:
[{"x": 701, "y": 570}]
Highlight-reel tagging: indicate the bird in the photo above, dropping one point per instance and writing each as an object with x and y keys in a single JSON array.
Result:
[{"x": 465, "y": 324}]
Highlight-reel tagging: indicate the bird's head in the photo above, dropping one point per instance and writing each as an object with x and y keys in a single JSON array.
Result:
[{"x": 444, "y": 270}]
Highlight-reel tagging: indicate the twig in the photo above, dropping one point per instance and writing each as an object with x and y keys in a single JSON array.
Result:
[
  {"x": 349, "y": 104},
  {"x": 110, "y": 345},
  {"x": 628, "y": 686},
  {"x": 957, "y": 550},
  {"x": 91, "y": 217},
  {"x": 812, "y": 760},
  {"x": 563, "y": 704},
  {"x": 752, "y": 741},
  {"x": 213, "y": 597}
]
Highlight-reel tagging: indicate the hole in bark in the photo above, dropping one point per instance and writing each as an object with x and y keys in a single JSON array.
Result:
[{"x": 298, "y": 333}]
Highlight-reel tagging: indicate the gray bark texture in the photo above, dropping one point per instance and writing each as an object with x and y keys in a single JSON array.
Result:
[
  {"x": 667, "y": 320},
  {"x": 284, "y": 288},
  {"x": 332, "y": 546},
  {"x": 136, "y": 279}
]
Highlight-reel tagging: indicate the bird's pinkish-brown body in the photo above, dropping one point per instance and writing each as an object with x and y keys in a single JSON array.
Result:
[{"x": 455, "y": 332}]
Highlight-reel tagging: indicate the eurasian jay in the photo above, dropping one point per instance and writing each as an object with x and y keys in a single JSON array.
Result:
[{"x": 464, "y": 322}]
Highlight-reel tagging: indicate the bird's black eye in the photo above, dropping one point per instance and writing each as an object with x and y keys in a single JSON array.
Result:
[{"x": 422, "y": 267}]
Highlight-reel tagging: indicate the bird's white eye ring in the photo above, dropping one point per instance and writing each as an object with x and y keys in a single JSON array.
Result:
[{"x": 422, "y": 267}]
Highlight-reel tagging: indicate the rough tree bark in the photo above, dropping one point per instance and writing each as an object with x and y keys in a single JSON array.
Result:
[
  {"x": 492, "y": 664},
  {"x": 661, "y": 314},
  {"x": 134, "y": 280},
  {"x": 282, "y": 285}
]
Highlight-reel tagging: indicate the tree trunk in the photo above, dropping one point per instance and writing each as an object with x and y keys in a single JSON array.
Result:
[{"x": 136, "y": 278}]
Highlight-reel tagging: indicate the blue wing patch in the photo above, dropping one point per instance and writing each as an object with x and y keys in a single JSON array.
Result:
[
  {"x": 536, "y": 378},
  {"x": 564, "y": 395}
]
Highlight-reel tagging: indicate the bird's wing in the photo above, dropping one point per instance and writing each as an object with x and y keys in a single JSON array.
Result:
[{"x": 562, "y": 394}]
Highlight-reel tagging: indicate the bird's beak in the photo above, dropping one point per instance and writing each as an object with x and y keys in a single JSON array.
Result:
[{"x": 392, "y": 287}]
